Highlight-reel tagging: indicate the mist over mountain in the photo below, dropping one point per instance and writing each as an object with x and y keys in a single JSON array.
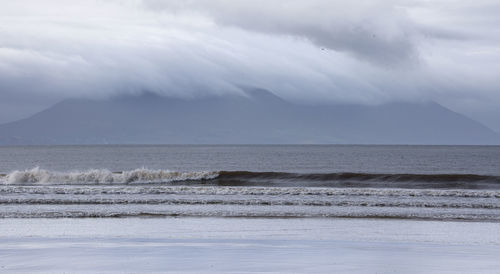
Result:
[{"x": 260, "y": 117}]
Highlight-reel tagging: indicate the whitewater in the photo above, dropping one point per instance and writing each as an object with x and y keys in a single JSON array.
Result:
[{"x": 100, "y": 176}]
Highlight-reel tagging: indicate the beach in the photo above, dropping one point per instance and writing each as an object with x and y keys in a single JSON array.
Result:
[{"x": 248, "y": 245}]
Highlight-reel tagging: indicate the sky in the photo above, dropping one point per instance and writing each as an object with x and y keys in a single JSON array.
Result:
[{"x": 306, "y": 51}]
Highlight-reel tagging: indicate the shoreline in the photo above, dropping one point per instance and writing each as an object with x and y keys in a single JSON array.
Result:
[
  {"x": 179, "y": 216},
  {"x": 249, "y": 245},
  {"x": 337, "y": 228}
]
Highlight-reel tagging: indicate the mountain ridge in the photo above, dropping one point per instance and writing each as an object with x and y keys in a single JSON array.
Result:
[{"x": 258, "y": 117}]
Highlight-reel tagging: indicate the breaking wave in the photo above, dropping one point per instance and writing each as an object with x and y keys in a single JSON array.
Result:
[
  {"x": 247, "y": 178},
  {"x": 103, "y": 176}
]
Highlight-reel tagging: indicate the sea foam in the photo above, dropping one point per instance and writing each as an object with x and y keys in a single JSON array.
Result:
[{"x": 103, "y": 176}]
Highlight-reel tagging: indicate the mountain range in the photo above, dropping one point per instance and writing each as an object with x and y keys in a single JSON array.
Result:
[{"x": 258, "y": 117}]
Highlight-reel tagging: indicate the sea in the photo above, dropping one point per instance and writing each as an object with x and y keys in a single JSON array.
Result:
[{"x": 440, "y": 183}]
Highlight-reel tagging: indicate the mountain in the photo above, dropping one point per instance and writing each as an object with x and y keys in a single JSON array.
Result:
[{"x": 257, "y": 118}]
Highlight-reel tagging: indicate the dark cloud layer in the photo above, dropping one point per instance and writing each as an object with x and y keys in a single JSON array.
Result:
[{"x": 365, "y": 52}]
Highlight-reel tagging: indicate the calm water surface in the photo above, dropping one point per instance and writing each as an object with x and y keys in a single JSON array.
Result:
[{"x": 300, "y": 158}]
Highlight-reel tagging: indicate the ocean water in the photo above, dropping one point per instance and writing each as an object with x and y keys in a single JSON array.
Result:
[{"x": 403, "y": 182}]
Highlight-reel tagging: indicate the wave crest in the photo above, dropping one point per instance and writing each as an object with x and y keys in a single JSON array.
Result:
[
  {"x": 104, "y": 176},
  {"x": 252, "y": 178}
]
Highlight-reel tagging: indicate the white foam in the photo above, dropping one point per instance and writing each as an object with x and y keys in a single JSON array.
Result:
[{"x": 103, "y": 176}]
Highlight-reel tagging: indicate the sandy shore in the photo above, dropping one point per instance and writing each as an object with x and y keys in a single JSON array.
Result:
[{"x": 242, "y": 245}]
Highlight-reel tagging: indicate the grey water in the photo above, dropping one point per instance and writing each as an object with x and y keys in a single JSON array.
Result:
[
  {"x": 328, "y": 181},
  {"x": 283, "y": 158}
]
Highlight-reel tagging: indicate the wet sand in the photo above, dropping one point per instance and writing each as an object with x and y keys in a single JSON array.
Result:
[{"x": 245, "y": 245}]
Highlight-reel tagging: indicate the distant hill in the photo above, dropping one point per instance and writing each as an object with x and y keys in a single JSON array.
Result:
[{"x": 260, "y": 117}]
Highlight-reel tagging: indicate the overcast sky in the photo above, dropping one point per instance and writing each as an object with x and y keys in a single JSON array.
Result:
[{"x": 367, "y": 52}]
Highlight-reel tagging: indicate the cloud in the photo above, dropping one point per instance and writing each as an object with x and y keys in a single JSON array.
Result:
[
  {"x": 317, "y": 50},
  {"x": 73, "y": 52},
  {"x": 377, "y": 31}
]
